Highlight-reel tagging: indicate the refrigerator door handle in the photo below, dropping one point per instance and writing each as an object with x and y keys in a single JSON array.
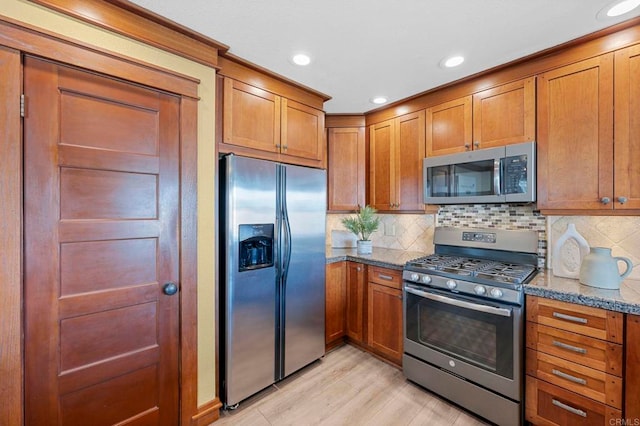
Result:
[{"x": 286, "y": 258}]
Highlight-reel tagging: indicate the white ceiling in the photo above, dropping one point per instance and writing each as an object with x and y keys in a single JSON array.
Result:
[{"x": 365, "y": 48}]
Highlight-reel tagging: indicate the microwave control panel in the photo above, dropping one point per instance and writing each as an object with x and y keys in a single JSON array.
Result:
[{"x": 515, "y": 175}]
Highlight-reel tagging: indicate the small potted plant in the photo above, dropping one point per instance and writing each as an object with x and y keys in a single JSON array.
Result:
[{"x": 364, "y": 224}]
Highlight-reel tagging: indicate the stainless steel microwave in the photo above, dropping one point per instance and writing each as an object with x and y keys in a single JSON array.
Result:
[{"x": 494, "y": 175}]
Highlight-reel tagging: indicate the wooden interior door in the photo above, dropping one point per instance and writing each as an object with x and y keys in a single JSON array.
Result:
[{"x": 101, "y": 239}]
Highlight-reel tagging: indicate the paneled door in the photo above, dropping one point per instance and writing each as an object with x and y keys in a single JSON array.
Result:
[{"x": 101, "y": 229}]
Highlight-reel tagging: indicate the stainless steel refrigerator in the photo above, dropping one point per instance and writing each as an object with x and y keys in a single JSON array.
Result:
[{"x": 272, "y": 272}]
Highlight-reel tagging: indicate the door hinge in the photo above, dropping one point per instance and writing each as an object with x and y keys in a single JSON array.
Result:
[{"x": 22, "y": 105}]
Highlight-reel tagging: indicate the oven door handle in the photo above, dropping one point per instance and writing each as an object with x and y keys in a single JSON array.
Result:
[{"x": 459, "y": 303}]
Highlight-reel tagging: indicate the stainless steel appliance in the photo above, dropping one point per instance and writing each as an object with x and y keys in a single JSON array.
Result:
[
  {"x": 272, "y": 272},
  {"x": 492, "y": 175},
  {"x": 463, "y": 319}
]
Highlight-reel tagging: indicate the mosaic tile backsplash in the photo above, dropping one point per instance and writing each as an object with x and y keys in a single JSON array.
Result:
[{"x": 415, "y": 232}]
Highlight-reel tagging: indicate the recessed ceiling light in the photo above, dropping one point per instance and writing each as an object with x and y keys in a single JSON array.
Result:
[
  {"x": 379, "y": 100},
  {"x": 453, "y": 61},
  {"x": 301, "y": 59},
  {"x": 617, "y": 8},
  {"x": 623, "y": 7}
]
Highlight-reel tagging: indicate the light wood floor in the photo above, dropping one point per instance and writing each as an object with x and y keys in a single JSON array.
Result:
[{"x": 347, "y": 387}]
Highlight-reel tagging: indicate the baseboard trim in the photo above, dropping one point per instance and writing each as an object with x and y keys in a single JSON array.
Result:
[{"x": 207, "y": 413}]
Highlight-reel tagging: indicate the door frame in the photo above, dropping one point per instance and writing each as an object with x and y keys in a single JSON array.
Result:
[{"x": 17, "y": 39}]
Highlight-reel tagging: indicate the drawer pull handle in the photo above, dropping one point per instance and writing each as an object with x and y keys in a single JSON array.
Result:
[
  {"x": 568, "y": 408},
  {"x": 569, "y": 347},
  {"x": 570, "y": 318},
  {"x": 569, "y": 377},
  {"x": 386, "y": 277}
]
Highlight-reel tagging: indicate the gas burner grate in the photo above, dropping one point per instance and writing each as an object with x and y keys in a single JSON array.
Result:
[{"x": 473, "y": 267}]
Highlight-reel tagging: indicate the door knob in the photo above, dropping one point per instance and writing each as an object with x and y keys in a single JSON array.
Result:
[
  {"x": 170, "y": 289},
  {"x": 605, "y": 200},
  {"x": 622, "y": 200}
]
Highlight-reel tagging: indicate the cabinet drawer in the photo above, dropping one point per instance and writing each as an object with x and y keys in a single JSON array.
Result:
[
  {"x": 593, "y": 322},
  {"x": 597, "y": 385},
  {"x": 547, "y": 404},
  {"x": 384, "y": 276},
  {"x": 594, "y": 353}
]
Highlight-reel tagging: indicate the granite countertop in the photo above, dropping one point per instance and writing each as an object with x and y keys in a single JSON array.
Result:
[
  {"x": 386, "y": 258},
  {"x": 545, "y": 284},
  {"x": 626, "y": 300}
]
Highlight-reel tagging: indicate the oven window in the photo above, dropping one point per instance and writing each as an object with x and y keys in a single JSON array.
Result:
[
  {"x": 468, "y": 338},
  {"x": 478, "y": 338}
]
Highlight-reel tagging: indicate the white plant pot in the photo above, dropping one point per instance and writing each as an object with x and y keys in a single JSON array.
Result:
[{"x": 365, "y": 247}]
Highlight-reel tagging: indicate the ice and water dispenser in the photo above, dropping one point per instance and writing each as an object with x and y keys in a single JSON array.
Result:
[{"x": 256, "y": 246}]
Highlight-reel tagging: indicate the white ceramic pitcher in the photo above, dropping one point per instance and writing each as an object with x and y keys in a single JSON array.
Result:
[{"x": 600, "y": 269}]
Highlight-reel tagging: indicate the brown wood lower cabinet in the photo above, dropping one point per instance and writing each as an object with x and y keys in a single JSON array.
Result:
[
  {"x": 384, "y": 312},
  {"x": 574, "y": 364},
  {"x": 355, "y": 301},
  {"x": 335, "y": 295},
  {"x": 364, "y": 305},
  {"x": 632, "y": 376}
]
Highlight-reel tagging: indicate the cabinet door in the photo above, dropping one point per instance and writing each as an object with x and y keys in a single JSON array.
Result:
[
  {"x": 335, "y": 293},
  {"x": 575, "y": 136},
  {"x": 627, "y": 128},
  {"x": 251, "y": 117},
  {"x": 346, "y": 168},
  {"x": 385, "y": 321},
  {"x": 302, "y": 131},
  {"x": 505, "y": 114},
  {"x": 409, "y": 153},
  {"x": 355, "y": 301},
  {"x": 382, "y": 165},
  {"x": 449, "y": 127},
  {"x": 632, "y": 379}
]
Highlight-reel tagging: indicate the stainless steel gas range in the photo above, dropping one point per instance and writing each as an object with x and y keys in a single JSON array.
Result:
[{"x": 464, "y": 319}]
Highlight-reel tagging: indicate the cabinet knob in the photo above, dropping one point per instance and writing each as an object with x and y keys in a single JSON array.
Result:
[
  {"x": 605, "y": 200},
  {"x": 358, "y": 269},
  {"x": 285, "y": 147},
  {"x": 467, "y": 146},
  {"x": 476, "y": 144},
  {"x": 622, "y": 200}
]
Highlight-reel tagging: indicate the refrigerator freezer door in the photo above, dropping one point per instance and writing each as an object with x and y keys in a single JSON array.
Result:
[
  {"x": 303, "y": 285},
  {"x": 250, "y": 295}
]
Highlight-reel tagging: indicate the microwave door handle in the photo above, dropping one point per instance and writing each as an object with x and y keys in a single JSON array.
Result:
[
  {"x": 496, "y": 176},
  {"x": 459, "y": 303}
]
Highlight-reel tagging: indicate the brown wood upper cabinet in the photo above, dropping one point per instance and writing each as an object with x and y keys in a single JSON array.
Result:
[
  {"x": 576, "y": 154},
  {"x": 396, "y": 154},
  {"x": 346, "y": 168},
  {"x": 258, "y": 122},
  {"x": 498, "y": 116}
]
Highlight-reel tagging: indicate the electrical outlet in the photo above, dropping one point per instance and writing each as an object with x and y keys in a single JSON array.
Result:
[{"x": 390, "y": 229}]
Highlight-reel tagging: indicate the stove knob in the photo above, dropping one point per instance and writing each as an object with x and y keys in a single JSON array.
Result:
[
  {"x": 496, "y": 292},
  {"x": 479, "y": 290},
  {"x": 414, "y": 277},
  {"x": 426, "y": 279},
  {"x": 451, "y": 284}
]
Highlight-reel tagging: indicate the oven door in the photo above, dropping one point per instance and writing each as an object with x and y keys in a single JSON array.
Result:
[{"x": 478, "y": 340}]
